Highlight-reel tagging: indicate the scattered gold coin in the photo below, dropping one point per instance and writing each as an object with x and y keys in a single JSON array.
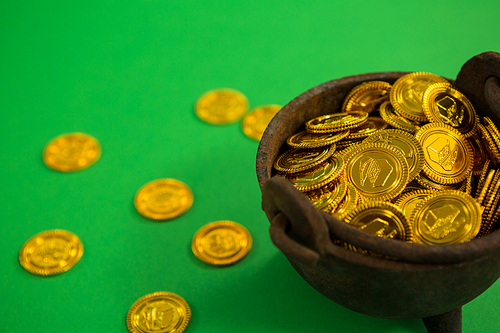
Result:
[
  {"x": 163, "y": 199},
  {"x": 51, "y": 252},
  {"x": 446, "y": 217},
  {"x": 161, "y": 312},
  {"x": 221, "y": 243},
  {"x": 71, "y": 152},
  {"x": 255, "y": 122},
  {"x": 221, "y": 106}
]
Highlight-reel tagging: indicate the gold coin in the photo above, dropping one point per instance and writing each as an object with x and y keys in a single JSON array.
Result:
[
  {"x": 406, "y": 143},
  {"x": 484, "y": 181},
  {"x": 329, "y": 196},
  {"x": 371, "y": 126},
  {"x": 71, "y": 152},
  {"x": 479, "y": 154},
  {"x": 367, "y": 96},
  {"x": 221, "y": 243},
  {"x": 378, "y": 171},
  {"x": 51, "y": 252},
  {"x": 489, "y": 144},
  {"x": 429, "y": 184},
  {"x": 443, "y": 104},
  {"x": 305, "y": 139},
  {"x": 296, "y": 160},
  {"x": 221, "y": 106},
  {"x": 161, "y": 312},
  {"x": 349, "y": 202},
  {"x": 387, "y": 113},
  {"x": 336, "y": 122},
  {"x": 318, "y": 176},
  {"x": 408, "y": 201},
  {"x": 255, "y": 122},
  {"x": 382, "y": 219},
  {"x": 446, "y": 217},
  {"x": 407, "y": 93},
  {"x": 447, "y": 154},
  {"x": 163, "y": 199}
]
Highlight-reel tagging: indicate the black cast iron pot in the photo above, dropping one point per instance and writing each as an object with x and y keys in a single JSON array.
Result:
[{"x": 429, "y": 282}]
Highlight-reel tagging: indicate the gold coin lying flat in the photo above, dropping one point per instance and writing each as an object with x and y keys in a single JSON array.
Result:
[
  {"x": 161, "y": 312},
  {"x": 221, "y": 106},
  {"x": 51, "y": 252},
  {"x": 407, "y": 93},
  {"x": 378, "y": 171},
  {"x": 71, "y": 152},
  {"x": 296, "y": 160},
  {"x": 382, "y": 219},
  {"x": 371, "y": 126},
  {"x": 221, "y": 243},
  {"x": 367, "y": 96},
  {"x": 318, "y": 176},
  {"x": 305, "y": 139},
  {"x": 446, "y": 217},
  {"x": 406, "y": 143},
  {"x": 163, "y": 199},
  {"x": 255, "y": 122},
  {"x": 443, "y": 104},
  {"x": 336, "y": 122},
  {"x": 447, "y": 154}
]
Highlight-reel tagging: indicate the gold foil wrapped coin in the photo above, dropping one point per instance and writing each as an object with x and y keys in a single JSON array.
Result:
[
  {"x": 318, "y": 176},
  {"x": 221, "y": 243},
  {"x": 377, "y": 171},
  {"x": 255, "y": 122},
  {"x": 163, "y": 199},
  {"x": 368, "y": 96},
  {"x": 447, "y": 154},
  {"x": 407, "y": 93},
  {"x": 381, "y": 219},
  {"x": 305, "y": 139},
  {"x": 443, "y": 104},
  {"x": 336, "y": 122},
  {"x": 296, "y": 160},
  {"x": 446, "y": 217},
  {"x": 71, "y": 152},
  {"x": 161, "y": 312},
  {"x": 406, "y": 143},
  {"x": 221, "y": 106},
  {"x": 51, "y": 252}
]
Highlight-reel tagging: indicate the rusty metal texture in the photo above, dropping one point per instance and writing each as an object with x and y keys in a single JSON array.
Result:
[{"x": 430, "y": 282}]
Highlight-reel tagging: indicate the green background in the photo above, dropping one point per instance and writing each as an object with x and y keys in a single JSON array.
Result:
[{"x": 129, "y": 73}]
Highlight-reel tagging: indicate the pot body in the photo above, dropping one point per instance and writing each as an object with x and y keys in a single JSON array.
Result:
[{"x": 425, "y": 280}]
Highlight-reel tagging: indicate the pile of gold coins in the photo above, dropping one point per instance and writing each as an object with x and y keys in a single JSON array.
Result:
[
  {"x": 409, "y": 161},
  {"x": 218, "y": 243}
]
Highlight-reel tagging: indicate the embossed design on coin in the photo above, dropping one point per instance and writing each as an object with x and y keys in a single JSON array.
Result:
[
  {"x": 367, "y": 96},
  {"x": 163, "y": 199},
  {"x": 161, "y": 312},
  {"x": 446, "y": 217},
  {"x": 221, "y": 106},
  {"x": 71, "y": 152},
  {"x": 447, "y": 154},
  {"x": 221, "y": 243},
  {"x": 445, "y": 105},
  {"x": 51, "y": 252},
  {"x": 319, "y": 175},
  {"x": 377, "y": 171},
  {"x": 255, "y": 122}
]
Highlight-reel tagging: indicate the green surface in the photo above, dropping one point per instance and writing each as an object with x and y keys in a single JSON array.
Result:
[{"x": 128, "y": 73}]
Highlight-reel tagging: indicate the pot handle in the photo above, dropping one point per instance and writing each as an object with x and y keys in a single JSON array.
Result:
[{"x": 297, "y": 228}]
